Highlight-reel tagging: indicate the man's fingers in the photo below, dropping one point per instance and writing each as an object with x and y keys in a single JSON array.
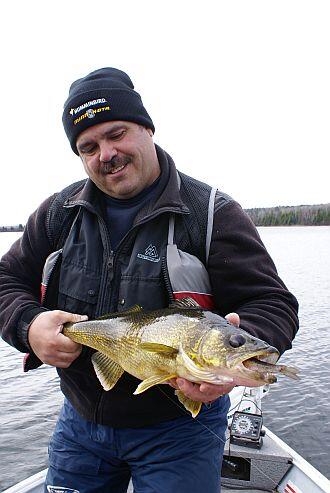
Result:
[
  {"x": 204, "y": 392},
  {"x": 65, "y": 317},
  {"x": 66, "y": 345},
  {"x": 214, "y": 389},
  {"x": 47, "y": 341},
  {"x": 190, "y": 390},
  {"x": 172, "y": 383},
  {"x": 61, "y": 359}
]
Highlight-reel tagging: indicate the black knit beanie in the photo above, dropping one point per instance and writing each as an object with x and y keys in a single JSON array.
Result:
[{"x": 103, "y": 95}]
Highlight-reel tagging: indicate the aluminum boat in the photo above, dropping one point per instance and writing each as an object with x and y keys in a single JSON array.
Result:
[{"x": 255, "y": 459}]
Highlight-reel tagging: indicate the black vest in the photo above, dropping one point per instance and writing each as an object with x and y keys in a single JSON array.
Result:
[{"x": 84, "y": 276}]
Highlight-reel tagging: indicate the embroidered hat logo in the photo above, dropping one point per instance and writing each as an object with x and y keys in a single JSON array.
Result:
[
  {"x": 90, "y": 114},
  {"x": 74, "y": 111}
]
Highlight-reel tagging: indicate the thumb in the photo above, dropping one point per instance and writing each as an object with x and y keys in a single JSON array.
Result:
[
  {"x": 233, "y": 318},
  {"x": 64, "y": 317},
  {"x": 75, "y": 317}
]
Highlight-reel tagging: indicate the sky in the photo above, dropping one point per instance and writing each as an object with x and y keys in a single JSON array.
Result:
[{"x": 238, "y": 90}]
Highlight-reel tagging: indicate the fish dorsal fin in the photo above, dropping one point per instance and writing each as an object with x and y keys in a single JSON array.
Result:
[
  {"x": 130, "y": 311},
  {"x": 155, "y": 347},
  {"x": 187, "y": 303},
  {"x": 107, "y": 370}
]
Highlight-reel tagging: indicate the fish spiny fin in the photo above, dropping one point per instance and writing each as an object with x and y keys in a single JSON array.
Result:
[
  {"x": 130, "y": 311},
  {"x": 192, "y": 406},
  {"x": 107, "y": 371},
  {"x": 155, "y": 347},
  {"x": 185, "y": 303},
  {"x": 151, "y": 381},
  {"x": 291, "y": 372}
]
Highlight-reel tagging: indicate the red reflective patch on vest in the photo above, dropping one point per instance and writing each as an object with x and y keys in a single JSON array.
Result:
[
  {"x": 42, "y": 292},
  {"x": 206, "y": 301},
  {"x": 25, "y": 361}
]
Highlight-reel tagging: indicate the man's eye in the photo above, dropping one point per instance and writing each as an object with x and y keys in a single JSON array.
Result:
[
  {"x": 88, "y": 150},
  {"x": 117, "y": 135}
]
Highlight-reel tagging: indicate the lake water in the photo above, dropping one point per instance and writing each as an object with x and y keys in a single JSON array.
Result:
[{"x": 298, "y": 412}]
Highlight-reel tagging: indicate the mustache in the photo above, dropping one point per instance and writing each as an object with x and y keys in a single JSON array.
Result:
[{"x": 114, "y": 162}]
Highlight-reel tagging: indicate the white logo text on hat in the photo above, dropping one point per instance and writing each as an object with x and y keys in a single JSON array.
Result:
[{"x": 74, "y": 111}]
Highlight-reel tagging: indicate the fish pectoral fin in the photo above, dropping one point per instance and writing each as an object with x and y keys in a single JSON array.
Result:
[
  {"x": 151, "y": 381},
  {"x": 107, "y": 371},
  {"x": 192, "y": 406},
  {"x": 155, "y": 347}
]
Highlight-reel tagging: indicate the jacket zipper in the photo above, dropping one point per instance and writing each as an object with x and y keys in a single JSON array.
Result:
[
  {"x": 107, "y": 276},
  {"x": 108, "y": 272},
  {"x": 118, "y": 251},
  {"x": 167, "y": 280}
]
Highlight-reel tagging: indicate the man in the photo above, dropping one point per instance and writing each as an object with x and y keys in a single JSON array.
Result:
[{"x": 101, "y": 246}]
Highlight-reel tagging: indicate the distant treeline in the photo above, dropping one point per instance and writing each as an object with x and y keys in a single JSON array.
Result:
[
  {"x": 8, "y": 229},
  {"x": 304, "y": 215}
]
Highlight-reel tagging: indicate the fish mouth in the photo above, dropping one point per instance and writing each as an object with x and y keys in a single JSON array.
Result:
[
  {"x": 250, "y": 373},
  {"x": 271, "y": 356}
]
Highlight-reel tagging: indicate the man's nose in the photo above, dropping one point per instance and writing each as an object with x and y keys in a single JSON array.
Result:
[{"x": 107, "y": 152}]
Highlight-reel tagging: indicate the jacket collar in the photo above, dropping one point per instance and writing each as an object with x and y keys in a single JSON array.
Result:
[{"x": 168, "y": 201}]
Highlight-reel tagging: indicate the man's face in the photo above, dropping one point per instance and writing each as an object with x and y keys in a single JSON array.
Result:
[{"x": 119, "y": 157}]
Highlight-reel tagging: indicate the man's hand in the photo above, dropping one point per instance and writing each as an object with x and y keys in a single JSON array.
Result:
[
  {"x": 205, "y": 392},
  {"x": 47, "y": 341}
]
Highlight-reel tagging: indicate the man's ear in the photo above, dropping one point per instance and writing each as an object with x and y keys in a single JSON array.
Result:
[{"x": 150, "y": 132}]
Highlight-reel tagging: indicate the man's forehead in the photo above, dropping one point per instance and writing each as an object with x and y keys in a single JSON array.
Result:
[{"x": 101, "y": 129}]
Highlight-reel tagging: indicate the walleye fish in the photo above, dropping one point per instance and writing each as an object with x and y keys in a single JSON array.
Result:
[{"x": 182, "y": 340}]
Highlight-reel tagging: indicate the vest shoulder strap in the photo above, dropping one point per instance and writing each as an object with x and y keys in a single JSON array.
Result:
[
  {"x": 200, "y": 199},
  {"x": 59, "y": 219}
]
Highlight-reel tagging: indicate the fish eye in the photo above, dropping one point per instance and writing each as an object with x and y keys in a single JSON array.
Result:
[{"x": 237, "y": 340}]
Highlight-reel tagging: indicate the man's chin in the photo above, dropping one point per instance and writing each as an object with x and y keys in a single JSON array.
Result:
[{"x": 121, "y": 191}]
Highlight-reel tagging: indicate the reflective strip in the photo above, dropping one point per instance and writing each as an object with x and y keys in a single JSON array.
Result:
[
  {"x": 210, "y": 218},
  {"x": 43, "y": 288},
  {"x": 51, "y": 262},
  {"x": 60, "y": 489},
  {"x": 170, "y": 236},
  {"x": 204, "y": 300},
  {"x": 291, "y": 488},
  {"x": 47, "y": 270}
]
